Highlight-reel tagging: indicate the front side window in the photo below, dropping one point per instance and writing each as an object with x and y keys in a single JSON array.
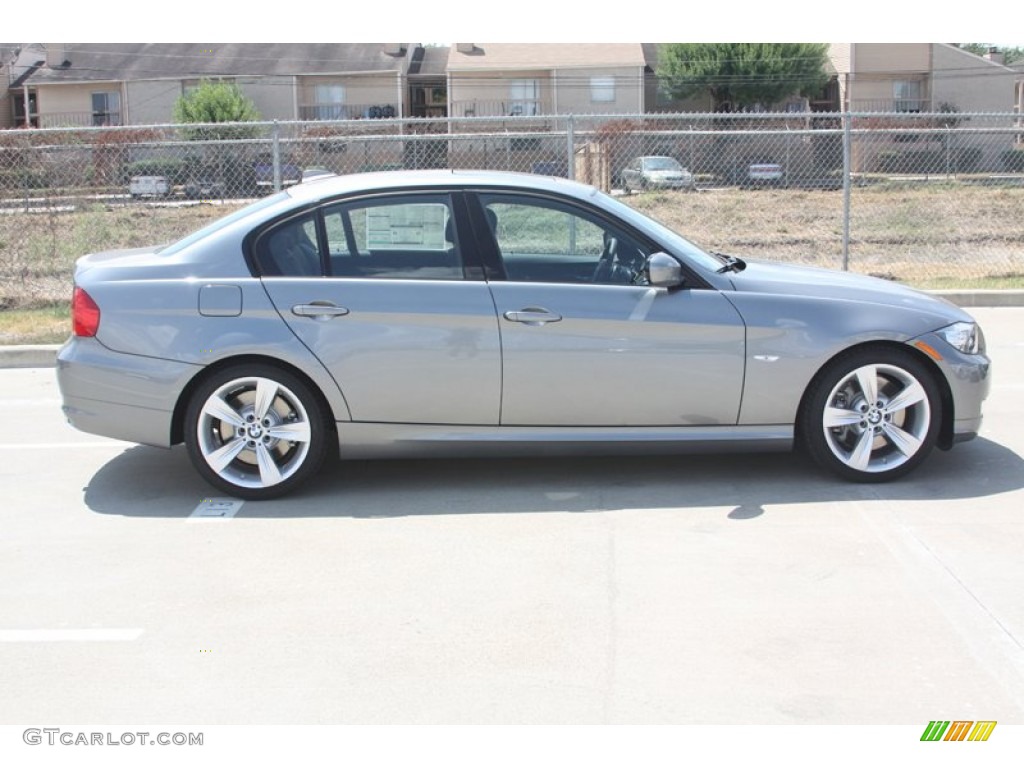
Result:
[
  {"x": 543, "y": 240},
  {"x": 411, "y": 237}
]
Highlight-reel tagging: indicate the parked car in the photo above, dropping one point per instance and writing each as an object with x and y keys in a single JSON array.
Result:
[
  {"x": 263, "y": 170},
  {"x": 149, "y": 186},
  {"x": 655, "y": 172},
  {"x": 764, "y": 174},
  {"x": 473, "y": 313},
  {"x": 204, "y": 188}
]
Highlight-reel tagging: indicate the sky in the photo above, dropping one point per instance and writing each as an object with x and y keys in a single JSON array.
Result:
[{"x": 527, "y": 21}]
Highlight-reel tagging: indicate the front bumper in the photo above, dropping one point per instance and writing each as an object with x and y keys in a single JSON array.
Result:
[{"x": 969, "y": 378}]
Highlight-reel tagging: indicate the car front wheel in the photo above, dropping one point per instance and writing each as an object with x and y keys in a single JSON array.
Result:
[
  {"x": 872, "y": 415},
  {"x": 255, "y": 432}
]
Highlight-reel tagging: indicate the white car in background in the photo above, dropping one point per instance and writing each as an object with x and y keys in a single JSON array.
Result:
[
  {"x": 149, "y": 186},
  {"x": 656, "y": 172}
]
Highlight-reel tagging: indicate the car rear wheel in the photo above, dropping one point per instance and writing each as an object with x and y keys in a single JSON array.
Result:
[
  {"x": 872, "y": 415},
  {"x": 255, "y": 432}
]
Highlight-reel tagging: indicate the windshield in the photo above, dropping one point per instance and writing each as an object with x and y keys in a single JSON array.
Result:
[
  {"x": 219, "y": 224},
  {"x": 674, "y": 242},
  {"x": 661, "y": 164}
]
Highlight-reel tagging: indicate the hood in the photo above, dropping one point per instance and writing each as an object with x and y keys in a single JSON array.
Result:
[{"x": 791, "y": 280}]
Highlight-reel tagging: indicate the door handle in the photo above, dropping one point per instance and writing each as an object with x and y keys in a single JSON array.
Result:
[
  {"x": 319, "y": 310},
  {"x": 532, "y": 316}
]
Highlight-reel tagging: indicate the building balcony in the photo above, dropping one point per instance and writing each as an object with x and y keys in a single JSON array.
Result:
[
  {"x": 73, "y": 119},
  {"x": 498, "y": 108},
  {"x": 349, "y": 111},
  {"x": 891, "y": 105}
]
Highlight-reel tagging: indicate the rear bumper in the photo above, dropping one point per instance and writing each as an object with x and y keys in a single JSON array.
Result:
[{"x": 126, "y": 397}]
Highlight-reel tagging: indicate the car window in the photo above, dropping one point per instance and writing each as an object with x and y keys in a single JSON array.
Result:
[
  {"x": 290, "y": 249},
  {"x": 406, "y": 237},
  {"x": 543, "y": 240}
]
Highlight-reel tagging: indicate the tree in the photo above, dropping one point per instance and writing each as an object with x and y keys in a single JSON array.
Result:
[
  {"x": 739, "y": 75},
  {"x": 1010, "y": 55},
  {"x": 216, "y": 102}
]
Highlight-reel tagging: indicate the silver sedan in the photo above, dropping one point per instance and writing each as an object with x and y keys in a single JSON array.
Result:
[{"x": 445, "y": 313}]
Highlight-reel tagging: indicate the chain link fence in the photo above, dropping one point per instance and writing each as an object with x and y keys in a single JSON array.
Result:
[{"x": 935, "y": 200}]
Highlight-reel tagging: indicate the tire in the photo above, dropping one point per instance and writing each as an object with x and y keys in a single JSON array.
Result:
[
  {"x": 285, "y": 438},
  {"x": 869, "y": 442}
]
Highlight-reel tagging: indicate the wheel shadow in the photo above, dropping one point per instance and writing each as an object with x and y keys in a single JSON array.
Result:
[{"x": 152, "y": 482}]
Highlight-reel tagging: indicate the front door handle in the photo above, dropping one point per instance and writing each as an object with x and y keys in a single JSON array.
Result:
[
  {"x": 319, "y": 310},
  {"x": 532, "y": 316}
]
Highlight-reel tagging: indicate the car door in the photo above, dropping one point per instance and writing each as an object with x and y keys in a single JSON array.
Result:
[
  {"x": 584, "y": 346},
  {"x": 377, "y": 289}
]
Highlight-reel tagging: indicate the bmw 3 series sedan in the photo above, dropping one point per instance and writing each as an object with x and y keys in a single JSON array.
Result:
[{"x": 471, "y": 313}]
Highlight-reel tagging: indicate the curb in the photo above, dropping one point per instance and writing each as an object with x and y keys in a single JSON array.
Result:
[
  {"x": 45, "y": 355},
  {"x": 29, "y": 356}
]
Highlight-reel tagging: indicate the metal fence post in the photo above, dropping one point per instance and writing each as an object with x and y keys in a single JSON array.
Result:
[
  {"x": 847, "y": 182},
  {"x": 276, "y": 135},
  {"x": 570, "y": 148}
]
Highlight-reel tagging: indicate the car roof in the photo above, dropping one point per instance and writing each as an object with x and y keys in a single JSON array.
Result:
[{"x": 330, "y": 186}]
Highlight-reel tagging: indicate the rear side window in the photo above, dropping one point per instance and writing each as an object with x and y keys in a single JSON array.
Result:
[
  {"x": 290, "y": 249},
  {"x": 404, "y": 237}
]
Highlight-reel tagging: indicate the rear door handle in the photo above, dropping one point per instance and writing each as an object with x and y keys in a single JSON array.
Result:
[
  {"x": 324, "y": 310},
  {"x": 532, "y": 316}
]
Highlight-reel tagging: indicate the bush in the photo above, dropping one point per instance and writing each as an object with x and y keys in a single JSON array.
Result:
[
  {"x": 935, "y": 161},
  {"x": 22, "y": 178},
  {"x": 1013, "y": 160}
]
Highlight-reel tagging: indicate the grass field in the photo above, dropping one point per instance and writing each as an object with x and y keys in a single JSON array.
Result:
[{"x": 944, "y": 235}]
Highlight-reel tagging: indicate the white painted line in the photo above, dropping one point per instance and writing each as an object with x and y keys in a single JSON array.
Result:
[
  {"x": 61, "y": 446},
  {"x": 68, "y": 635},
  {"x": 215, "y": 509}
]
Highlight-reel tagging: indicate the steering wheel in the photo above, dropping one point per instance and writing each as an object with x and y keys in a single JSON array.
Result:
[{"x": 606, "y": 264}]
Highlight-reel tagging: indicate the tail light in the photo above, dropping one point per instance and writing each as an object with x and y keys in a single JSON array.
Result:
[{"x": 85, "y": 314}]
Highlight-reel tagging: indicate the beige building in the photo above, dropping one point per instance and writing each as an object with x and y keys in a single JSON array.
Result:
[
  {"x": 139, "y": 83},
  {"x": 920, "y": 77},
  {"x": 508, "y": 79}
]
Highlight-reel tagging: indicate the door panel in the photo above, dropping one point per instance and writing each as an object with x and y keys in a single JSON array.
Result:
[
  {"x": 618, "y": 356},
  {"x": 407, "y": 351}
]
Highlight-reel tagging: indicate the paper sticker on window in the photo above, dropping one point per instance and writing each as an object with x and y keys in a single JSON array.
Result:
[{"x": 418, "y": 226}]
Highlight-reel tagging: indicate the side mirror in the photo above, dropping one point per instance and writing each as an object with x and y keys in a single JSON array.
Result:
[{"x": 663, "y": 271}]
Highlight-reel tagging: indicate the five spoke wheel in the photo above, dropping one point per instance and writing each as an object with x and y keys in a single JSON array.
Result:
[
  {"x": 872, "y": 415},
  {"x": 255, "y": 433}
]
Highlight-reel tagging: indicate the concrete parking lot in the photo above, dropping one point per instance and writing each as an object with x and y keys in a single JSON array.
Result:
[{"x": 723, "y": 589}]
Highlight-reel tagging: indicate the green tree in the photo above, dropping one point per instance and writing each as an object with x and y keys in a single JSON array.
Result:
[
  {"x": 740, "y": 75},
  {"x": 217, "y": 102},
  {"x": 1010, "y": 55}
]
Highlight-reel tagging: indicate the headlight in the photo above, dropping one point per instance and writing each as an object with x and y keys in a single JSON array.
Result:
[{"x": 966, "y": 337}]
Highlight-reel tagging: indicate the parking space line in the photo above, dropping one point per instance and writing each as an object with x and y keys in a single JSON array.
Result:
[
  {"x": 68, "y": 635},
  {"x": 215, "y": 509},
  {"x": 62, "y": 446}
]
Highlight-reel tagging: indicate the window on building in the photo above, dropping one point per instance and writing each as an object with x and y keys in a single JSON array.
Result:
[
  {"x": 106, "y": 108},
  {"x": 602, "y": 89},
  {"x": 524, "y": 97},
  {"x": 906, "y": 95},
  {"x": 330, "y": 101}
]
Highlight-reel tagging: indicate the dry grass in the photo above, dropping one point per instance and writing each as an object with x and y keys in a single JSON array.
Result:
[{"x": 925, "y": 235}]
